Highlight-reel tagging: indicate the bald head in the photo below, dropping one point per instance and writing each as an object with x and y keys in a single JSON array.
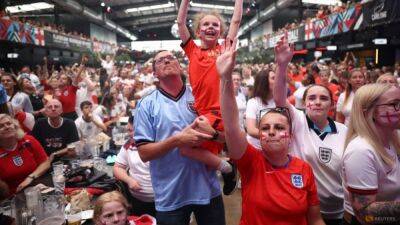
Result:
[{"x": 53, "y": 108}]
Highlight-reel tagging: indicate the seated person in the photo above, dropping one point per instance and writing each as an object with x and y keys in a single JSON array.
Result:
[
  {"x": 130, "y": 169},
  {"x": 22, "y": 158},
  {"x": 112, "y": 208},
  {"x": 89, "y": 124},
  {"x": 55, "y": 133}
]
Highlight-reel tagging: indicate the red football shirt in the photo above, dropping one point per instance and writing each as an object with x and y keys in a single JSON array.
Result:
[
  {"x": 203, "y": 76},
  {"x": 67, "y": 97},
  {"x": 279, "y": 196},
  {"x": 16, "y": 165}
]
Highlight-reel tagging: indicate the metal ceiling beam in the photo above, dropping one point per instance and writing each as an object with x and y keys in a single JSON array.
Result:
[
  {"x": 75, "y": 7},
  {"x": 153, "y": 26},
  {"x": 264, "y": 15},
  {"x": 170, "y": 17},
  {"x": 129, "y": 20},
  {"x": 136, "y": 4}
]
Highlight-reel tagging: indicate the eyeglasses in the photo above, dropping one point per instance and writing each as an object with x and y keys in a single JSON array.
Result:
[
  {"x": 280, "y": 110},
  {"x": 162, "y": 59},
  {"x": 395, "y": 105}
]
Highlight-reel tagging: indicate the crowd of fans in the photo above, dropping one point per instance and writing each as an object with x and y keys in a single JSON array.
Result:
[
  {"x": 45, "y": 102},
  {"x": 314, "y": 142}
]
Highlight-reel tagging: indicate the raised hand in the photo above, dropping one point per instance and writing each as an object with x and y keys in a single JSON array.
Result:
[
  {"x": 283, "y": 51},
  {"x": 226, "y": 61}
]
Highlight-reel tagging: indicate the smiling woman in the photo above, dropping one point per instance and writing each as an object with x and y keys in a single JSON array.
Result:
[
  {"x": 22, "y": 158},
  {"x": 111, "y": 208}
]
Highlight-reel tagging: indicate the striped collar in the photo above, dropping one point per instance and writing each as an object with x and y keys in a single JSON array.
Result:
[{"x": 330, "y": 128}]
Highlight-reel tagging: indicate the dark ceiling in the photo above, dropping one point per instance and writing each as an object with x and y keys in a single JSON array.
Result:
[{"x": 156, "y": 23}]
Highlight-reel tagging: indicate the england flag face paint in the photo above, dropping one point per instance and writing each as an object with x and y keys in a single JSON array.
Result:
[
  {"x": 387, "y": 111},
  {"x": 318, "y": 102},
  {"x": 274, "y": 133}
]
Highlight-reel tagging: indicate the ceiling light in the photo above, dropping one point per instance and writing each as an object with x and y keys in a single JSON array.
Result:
[
  {"x": 103, "y": 4},
  {"x": 29, "y": 7},
  {"x": 210, "y": 6},
  {"x": 323, "y": 2},
  {"x": 152, "y": 7}
]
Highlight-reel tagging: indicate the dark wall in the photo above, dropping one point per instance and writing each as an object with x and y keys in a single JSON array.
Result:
[{"x": 32, "y": 55}]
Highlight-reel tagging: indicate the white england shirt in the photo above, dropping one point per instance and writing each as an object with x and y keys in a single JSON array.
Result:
[
  {"x": 365, "y": 172},
  {"x": 324, "y": 156}
]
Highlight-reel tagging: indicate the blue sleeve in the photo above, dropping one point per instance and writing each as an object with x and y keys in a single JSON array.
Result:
[
  {"x": 144, "y": 124},
  {"x": 3, "y": 95}
]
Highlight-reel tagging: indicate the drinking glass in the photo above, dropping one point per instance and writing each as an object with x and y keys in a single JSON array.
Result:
[
  {"x": 58, "y": 182},
  {"x": 34, "y": 202}
]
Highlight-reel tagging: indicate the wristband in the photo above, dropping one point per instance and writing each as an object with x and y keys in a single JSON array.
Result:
[
  {"x": 32, "y": 176},
  {"x": 215, "y": 136}
]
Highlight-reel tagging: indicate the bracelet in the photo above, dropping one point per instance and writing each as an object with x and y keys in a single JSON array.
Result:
[
  {"x": 215, "y": 136},
  {"x": 32, "y": 176}
]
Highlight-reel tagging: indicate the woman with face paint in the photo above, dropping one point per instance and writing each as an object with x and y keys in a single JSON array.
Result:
[
  {"x": 318, "y": 140},
  {"x": 371, "y": 163},
  {"x": 276, "y": 188}
]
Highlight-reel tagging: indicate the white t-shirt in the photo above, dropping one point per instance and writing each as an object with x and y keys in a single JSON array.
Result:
[
  {"x": 82, "y": 94},
  {"x": 365, "y": 171},
  {"x": 21, "y": 101},
  {"x": 241, "y": 104},
  {"x": 325, "y": 157},
  {"x": 88, "y": 129},
  {"x": 298, "y": 96},
  {"x": 345, "y": 109},
  {"x": 108, "y": 66},
  {"x": 253, "y": 108},
  {"x": 145, "y": 91},
  {"x": 139, "y": 171},
  {"x": 130, "y": 82},
  {"x": 248, "y": 81}
]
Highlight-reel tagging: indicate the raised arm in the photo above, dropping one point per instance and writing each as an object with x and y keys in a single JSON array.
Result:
[
  {"x": 236, "y": 19},
  {"x": 184, "y": 33},
  {"x": 234, "y": 136},
  {"x": 81, "y": 68},
  {"x": 45, "y": 71},
  {"x": 283, "y": 55}
]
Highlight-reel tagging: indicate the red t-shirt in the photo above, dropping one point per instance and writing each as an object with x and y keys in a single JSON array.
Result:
[
  {"x": 296, "y": 78},
  {"x": 279, "y": 196},
  {"x": 203, "y": 76},
  {"x": 16, "y": 165},
  {"x": 67, "y": 97}
]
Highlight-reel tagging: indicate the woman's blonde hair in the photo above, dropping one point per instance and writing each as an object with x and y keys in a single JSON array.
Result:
[
  {"x": 198, "y": 17},
  {"x": 113, "y": 196},
  {"x": 19, "y": 132},
  {"x": 362, "y": 120},
  {"x": 386, "y": 75}
]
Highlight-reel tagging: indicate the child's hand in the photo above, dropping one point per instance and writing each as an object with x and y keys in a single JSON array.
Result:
[{"x": 226, "y": 61}]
